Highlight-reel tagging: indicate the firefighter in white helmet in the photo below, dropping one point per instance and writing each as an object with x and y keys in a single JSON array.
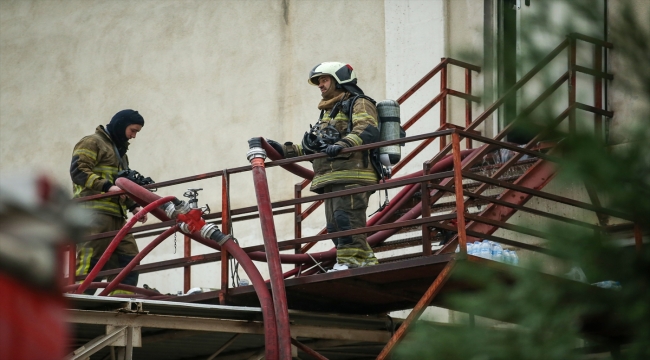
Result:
[{"x": 343, "y": 123}]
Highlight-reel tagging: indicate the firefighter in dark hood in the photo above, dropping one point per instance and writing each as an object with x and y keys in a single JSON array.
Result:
[
  {"x": 96, "y": 160},
  {"x": 335, "y": 131}
]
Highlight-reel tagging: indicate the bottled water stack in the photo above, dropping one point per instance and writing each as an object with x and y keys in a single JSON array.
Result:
[
  {"x": 486, "y": 251},
  {"x": 491, "y": 250}
]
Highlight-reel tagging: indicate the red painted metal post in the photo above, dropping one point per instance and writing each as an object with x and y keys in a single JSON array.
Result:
[
  {"x": 572, "y": 84},
  {"x": 426, "y": 212},
  {"x": 72, "y": 263},
  {"x": 256, "y": 157},
  {"x": 598, "y": 91},
  {"x": 460, "y": 201},
  {"x": 468, "y": 105},
  {"x": 225, "y": 228},
  {"x": 424, "y": 302},
  {"x": 297, "y": 218},
  {"x": 187, "y": 270},
  {"x": 443, "y": 102}
]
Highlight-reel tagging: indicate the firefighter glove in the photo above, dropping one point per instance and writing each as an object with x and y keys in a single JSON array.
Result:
[{"x": 333, "y": 150}]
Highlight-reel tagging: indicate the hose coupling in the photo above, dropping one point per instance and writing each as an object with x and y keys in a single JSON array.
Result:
[
  {"x": 255, "y": 149},
  {"x": 184, "y": 228},
  {"x": 211, "y": 231},
  {"x": 257, "y": 152},
  {"x": 173, "y": 210}
]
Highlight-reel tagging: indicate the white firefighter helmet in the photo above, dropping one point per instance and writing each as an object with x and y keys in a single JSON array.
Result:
[{"x": 342, "y": 73}]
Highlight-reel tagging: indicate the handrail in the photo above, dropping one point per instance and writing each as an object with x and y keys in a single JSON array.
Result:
[
  {"x": 270, "y": 164},
  {"x": 547, "y": 59},
  {"x": 592, "y": 40}
]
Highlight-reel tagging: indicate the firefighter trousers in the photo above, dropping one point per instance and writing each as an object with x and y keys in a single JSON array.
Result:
[
  {"x": 89, "y": 253},
  {"x": 347, "y": 213}
]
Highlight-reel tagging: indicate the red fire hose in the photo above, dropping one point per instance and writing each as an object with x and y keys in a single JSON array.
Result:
[
  {"x": 136, "y": 260},
  {"x": 116, "y": 241},
  {"x": 143, "y": 196},
  {"x": 256, "y": 156}
]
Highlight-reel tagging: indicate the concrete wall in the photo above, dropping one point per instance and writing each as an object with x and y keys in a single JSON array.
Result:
[
  {"x": 206, "y": 76},
  {"x": 464, "y": 41},
  {"x": 415, "y": 43},
  {"x": 627, "y": 96}
]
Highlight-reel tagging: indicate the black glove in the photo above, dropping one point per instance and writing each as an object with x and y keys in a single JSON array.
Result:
[
  {"x": 276, "y": 146},
  {"x": 333, "y": 150}
]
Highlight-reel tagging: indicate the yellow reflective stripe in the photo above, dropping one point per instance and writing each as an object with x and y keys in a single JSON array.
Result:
[
  {"x": 107, "y": 172},
  {"x": 89, "y": 153},
  {"x": 77, "y": 190},
  {"x": 119, "y": 292},
  {"x": 99, "y": 205},
  {"x": 355, "y": 139},
  {"x": 364, "y": 117},
  {"x": 105, "y": 169},
  {"x": 84, "y": 255},
  {"x": 353, "y": 175},
  {"x": 91, "y": 179}
]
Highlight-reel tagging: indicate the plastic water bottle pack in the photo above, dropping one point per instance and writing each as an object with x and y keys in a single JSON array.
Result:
[{"x": 491, "y": 250}]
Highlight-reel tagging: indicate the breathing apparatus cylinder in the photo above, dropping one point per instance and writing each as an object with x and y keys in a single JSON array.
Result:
[{"x": 389, "y": 129}]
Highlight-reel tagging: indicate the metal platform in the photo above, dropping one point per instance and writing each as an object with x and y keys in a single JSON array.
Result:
[
  {"x": 171, "y": 330},
  {"x": 369, "y": 290},
  {"x": 338, "y": 313},
  {"x": 399, "y": 285}
]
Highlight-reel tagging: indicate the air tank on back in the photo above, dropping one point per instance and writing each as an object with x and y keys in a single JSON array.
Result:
[{"x": 389, "y": 129}]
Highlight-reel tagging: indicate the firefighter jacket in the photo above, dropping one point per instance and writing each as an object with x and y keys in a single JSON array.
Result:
[
  {"x": 348, "y": 168},
  {"x": 93, "y": 170}
]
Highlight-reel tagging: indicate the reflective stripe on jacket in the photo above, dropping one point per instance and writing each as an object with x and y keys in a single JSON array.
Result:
[{"x": 93, "y": 170}]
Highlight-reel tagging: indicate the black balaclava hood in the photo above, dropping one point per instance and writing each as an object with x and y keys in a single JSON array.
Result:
[{"x": 117, "y": 127}]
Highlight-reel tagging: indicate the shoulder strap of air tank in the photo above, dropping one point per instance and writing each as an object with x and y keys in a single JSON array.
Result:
[{"x": 348, "y": 111}]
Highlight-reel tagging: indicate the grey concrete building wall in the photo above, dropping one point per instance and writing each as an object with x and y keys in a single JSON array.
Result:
[
  {"x": 415, "y": 43},
  {"x": 464, "y": 40},
  {"x": 206, "y": 76},
  {"x": 625, "y": 92}
]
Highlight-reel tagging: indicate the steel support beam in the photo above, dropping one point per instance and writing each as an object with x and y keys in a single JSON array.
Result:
[
  {"x": 218, "y": 325},
  {"x": 307, "y": 350},
  {"x": 224, "y": 346},
  {"x": 97, "y": 344}
]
